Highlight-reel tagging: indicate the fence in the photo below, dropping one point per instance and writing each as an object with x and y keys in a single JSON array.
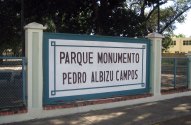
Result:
[
  {"x": 174, "y": 73},
  {"x": 12, "y": 82}
]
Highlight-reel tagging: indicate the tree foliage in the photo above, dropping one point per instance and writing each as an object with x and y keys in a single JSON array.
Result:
[
  {"x": 179, "y": 36},
  {"x": 128, "y": 18},
  {"x": 173, "y": 11},
  {"x": 106, "y": 17},
  {"x": 10, "y": 25},
  {"x": 166, "y": 42}
]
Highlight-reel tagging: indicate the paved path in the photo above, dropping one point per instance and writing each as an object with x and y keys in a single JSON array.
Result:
[
  {"x": 145, "y": 114},
  {"x": 184, "y": 120}
]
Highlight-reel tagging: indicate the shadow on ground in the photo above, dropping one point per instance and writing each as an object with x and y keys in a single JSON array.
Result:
[{"x": 144, "y": 114}]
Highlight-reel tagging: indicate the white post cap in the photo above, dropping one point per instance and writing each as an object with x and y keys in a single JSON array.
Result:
[
  {"x": 154, "y": 35},
  {"x": 34, "y": 25}
]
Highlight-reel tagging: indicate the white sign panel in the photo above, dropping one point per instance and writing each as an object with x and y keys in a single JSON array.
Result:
[{"x": 79, "y": 67}]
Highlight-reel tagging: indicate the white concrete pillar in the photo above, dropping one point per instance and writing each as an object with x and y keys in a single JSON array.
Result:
[
  {"x": 189, "y": 70},
  {"x": 33, "y": 50},
  {"x": 155, "y": 67}
]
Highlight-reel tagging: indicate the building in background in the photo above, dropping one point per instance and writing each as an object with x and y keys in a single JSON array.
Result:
[{"x": 180, "y": 45}]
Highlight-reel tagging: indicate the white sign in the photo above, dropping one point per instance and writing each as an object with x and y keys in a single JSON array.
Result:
[{"x": 79, "y": 67}]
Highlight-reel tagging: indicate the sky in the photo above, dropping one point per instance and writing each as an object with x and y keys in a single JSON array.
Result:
[{"x": 184, "y": 28}]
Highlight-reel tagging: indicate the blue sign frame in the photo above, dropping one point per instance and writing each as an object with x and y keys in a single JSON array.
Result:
[{"x": 56, "y": 100}]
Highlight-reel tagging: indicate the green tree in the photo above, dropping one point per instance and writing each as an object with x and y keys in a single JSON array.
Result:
[
  {"x": 180, "y": 36},
  {"x": 10, "y": 24},
  {"x": 166, "y": 43},
  {"x": 147, "y": 9},
  {"x": 128, "y": 18}
]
